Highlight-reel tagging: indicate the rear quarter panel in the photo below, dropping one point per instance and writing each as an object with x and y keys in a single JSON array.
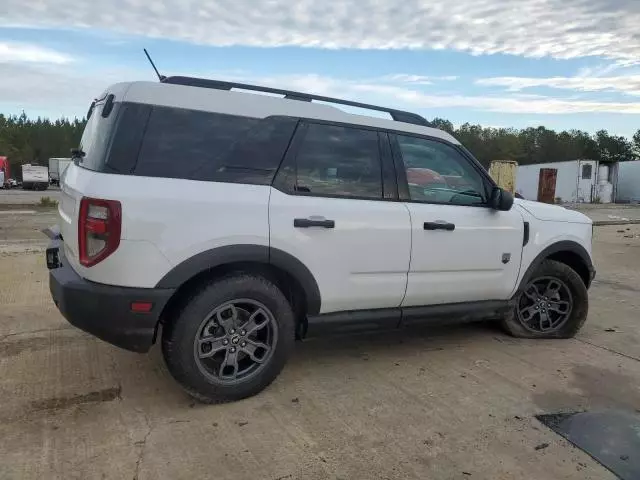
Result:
[{"x": 166, "y": 221}]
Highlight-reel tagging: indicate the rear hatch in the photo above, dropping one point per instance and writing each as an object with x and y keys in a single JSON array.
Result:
[{"x": 89, "y": 157}]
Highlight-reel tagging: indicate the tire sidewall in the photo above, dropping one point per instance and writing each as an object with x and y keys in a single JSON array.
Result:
[
  {"x": 179, "y": 337},
  {"x": 579, "y": 309}
]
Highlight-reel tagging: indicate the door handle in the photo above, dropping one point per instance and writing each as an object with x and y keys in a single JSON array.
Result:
[
  {"x": 313, "y": 222},
  {"x": 440, "y": 225}
]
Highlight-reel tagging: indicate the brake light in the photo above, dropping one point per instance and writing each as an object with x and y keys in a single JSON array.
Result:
[{"x": 99, "y": 226}]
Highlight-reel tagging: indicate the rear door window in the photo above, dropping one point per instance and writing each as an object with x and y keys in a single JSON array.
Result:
[{"x": 339, "y": 161}]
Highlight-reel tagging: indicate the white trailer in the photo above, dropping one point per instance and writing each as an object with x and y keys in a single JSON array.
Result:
[
  {"x": 35, "y": 177},
  {"x": 576, "y": 181},
  {"x": 57, "y": 166}
]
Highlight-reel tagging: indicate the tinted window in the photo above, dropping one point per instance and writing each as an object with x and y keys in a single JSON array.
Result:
[
  {"x": 189, "y": 144},
  {"x": 342, "y": 161},
  {"x": 438, "y": 173},
  {"x": 586, "y": 172},
  {"x": 127, "y": 137},
  {"x": 96, "y": 137},
  {"x": 256, "y": 158}
]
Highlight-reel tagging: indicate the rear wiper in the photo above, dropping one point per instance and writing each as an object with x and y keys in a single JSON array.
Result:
[{"x": 77, "y": 153}]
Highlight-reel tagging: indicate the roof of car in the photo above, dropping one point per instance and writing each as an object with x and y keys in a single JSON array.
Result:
[{"x": 254, "y": 105}]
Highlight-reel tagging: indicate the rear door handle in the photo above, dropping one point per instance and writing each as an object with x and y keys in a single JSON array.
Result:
[
  {"x": 439, "y": 225},
  {"x": 313, "y": 222}
]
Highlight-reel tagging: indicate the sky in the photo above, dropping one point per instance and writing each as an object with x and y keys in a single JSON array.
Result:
[{"x": 563, "y": 64}]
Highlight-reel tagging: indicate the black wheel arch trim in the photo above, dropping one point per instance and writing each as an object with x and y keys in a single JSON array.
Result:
[
  {"x": 229, "y": 254},
  {"x": 562, "y": 246}
]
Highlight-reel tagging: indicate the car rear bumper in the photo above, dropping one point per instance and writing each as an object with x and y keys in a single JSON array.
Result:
[{"x": 104, "y": 310}]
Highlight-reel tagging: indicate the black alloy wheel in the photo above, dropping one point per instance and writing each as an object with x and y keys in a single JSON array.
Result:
[{"x": 235, "y": 341}]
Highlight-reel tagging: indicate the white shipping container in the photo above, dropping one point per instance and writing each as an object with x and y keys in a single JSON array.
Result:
[
  {"x": 628, "y": 188},
  {"x": 575, "y": 180}
]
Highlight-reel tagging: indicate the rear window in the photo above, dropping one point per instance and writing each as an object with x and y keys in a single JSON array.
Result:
[
  {"x": 96, "y": 136},
  {"x": 194, "y": 145}
]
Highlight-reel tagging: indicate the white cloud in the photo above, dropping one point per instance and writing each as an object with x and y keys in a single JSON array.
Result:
[
  {"x": 532, "y": 28},
  {"x": 53, "y": 90},
  {"x": 25, "y": 53},
  {"x": 59, "y": 91},
  {"x": 417, "y": 79},
  {"x": 412, "y": 97},
  {"x": 628, "y": 84}
]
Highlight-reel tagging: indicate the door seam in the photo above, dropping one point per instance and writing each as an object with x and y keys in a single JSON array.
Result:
[{"x": 406, "y": 283}]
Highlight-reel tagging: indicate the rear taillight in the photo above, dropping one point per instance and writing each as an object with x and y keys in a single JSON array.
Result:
[{"x": 99, "y": 226}]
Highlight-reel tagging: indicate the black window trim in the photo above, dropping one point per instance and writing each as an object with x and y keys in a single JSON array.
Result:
[
  {"x": 286, "y": 185},
  {"x": 403, "y": 184}
]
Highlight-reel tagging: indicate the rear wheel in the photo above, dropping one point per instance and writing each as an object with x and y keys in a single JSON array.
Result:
[
  {"x": 553, "y": 304},
  {"x": 230, "y": 340}
]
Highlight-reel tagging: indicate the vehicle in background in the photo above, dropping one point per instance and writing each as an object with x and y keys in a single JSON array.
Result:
[
  {"x": 35, "y": 177},
  {"x": 5, "y": 171},
  {"x": 57, "y": 166},
  {"x": 11, "y": 183}
]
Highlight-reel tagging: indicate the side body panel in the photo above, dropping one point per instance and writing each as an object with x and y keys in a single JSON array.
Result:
[
  {"x": 362, "y": 262},
  {"x": 544, "y": 233},
  {"x": 478, "y": 260}
]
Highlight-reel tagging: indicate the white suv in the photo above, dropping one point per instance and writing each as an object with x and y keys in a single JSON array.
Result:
[{"x": 239, "y": 221}]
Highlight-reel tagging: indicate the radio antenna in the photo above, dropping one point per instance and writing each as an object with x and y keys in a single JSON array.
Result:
[{"x": 160, "y": 77}]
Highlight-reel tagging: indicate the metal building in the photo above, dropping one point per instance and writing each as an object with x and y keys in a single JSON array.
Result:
[{"x": 576, "y": 181}]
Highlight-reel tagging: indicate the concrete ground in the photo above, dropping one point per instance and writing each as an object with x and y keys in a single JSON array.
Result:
[
  {"x": 17, "y": 196},
  {"x": 609, "y": 213},
  {"x": 448, "y": 403}
]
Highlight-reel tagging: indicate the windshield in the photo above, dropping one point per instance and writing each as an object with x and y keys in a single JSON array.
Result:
[{"x": 95, "y": 138}]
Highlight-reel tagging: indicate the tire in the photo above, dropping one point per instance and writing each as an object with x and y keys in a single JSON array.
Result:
[
  {"x": 205, "y": 379},
  {"x": 573, "y": 321}
]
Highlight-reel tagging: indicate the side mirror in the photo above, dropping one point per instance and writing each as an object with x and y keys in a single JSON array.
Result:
[{"x": 501, "y": 199}]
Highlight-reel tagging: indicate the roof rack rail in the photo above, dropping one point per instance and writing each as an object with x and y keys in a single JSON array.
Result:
[{"x": 397, "y": 115}]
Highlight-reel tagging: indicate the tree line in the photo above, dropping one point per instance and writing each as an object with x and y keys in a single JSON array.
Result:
[
  {"x": 541, "y": 145},
  {"x": 26, "y": 140}
]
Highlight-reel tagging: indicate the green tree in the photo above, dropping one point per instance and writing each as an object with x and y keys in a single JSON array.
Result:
[
  {"x": 636, "y": 143},
  {"x": 25, "y": 140},
  {"x": 614, "y": 148}
]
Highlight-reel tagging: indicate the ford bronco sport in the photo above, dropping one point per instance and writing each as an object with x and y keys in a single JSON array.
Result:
[{"x": 229, "y": 223}]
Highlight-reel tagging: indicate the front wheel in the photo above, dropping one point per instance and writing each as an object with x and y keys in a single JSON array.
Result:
[
  {"x": 230, "y": 340},
  {"x": 553, "y": 304}
]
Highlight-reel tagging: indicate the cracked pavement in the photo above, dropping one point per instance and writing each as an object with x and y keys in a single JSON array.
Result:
[{"x": 425, "y": 403}]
